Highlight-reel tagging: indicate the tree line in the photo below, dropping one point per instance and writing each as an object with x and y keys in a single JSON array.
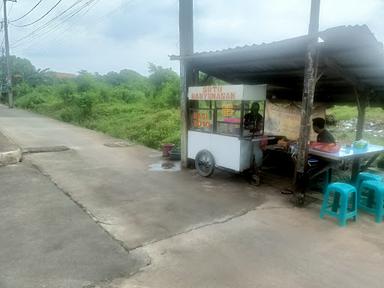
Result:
[{"x": 123, "y": 104}]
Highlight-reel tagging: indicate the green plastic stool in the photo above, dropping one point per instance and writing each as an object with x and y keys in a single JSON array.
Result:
[
  {"x": 343, "y": 206},
  {"x": 363, "y": 176},
  {"x": 374, "y": 201}
]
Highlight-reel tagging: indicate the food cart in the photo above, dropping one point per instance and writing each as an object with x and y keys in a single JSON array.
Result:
[{"x": 216, "y": 135}]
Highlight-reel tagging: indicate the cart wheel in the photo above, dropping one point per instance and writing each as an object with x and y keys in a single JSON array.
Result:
[{"x": 205, "y": 163}]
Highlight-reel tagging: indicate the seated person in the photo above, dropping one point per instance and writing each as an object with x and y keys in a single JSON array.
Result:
[
  {"x": 317, "y": 166},
  {"x": 323, "y": 135}
]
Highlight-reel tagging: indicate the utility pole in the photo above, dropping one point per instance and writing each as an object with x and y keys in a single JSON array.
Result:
[
  {"x": 3, "y": 69},
  {"x": 186, "y": 74},
  {"x": 8, "y": 72},
  {"x": 310, "y": 79}
]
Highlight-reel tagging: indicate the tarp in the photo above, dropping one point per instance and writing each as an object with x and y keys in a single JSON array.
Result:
[{"x": 283, "y": 118}]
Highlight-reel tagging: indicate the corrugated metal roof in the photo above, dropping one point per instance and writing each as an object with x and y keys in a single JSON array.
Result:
[{"x": 353, "y": 50}]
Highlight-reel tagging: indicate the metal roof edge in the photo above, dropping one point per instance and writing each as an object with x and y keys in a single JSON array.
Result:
[{"x": 228, "y": 51}]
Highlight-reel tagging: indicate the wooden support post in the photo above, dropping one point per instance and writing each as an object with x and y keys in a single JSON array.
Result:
[
  {"x": 186, "y": 74},
  {"x": 362, "y": 100},
  {"x": 306, "y": 109},
  {"x": 310, "y": 78}
]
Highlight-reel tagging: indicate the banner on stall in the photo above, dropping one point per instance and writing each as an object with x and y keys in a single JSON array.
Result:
[
  {"x": 228, "y": 92},
  {"x": 283, "y": 118}
]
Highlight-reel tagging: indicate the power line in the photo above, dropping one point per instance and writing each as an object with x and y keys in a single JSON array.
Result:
[
  {"x": 26, "y": 14},
  {"x": 79, "y": 10},
  {"x": 32, "y": 36},
  {"x": 42, "y": 17},
  {"x": 58, "y": 27},
  {"x": 62, "y": 13},
  {"x": 10, "y": 9},
  {"x": 46, "y": 24},
  {"x": 47, "y": 29},
  {"x": 117, "y": 9},
  {"x": 94, "y": 3}
]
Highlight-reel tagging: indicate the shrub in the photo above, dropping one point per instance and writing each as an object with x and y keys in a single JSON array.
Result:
[
  {"x": 85, "y": 102},
  {"x": 67, "y": 115},
  {"x": 30, "y": 101},
  {"x": 66, "y": 92}
]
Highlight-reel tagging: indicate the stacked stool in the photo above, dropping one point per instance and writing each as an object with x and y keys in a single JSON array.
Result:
[
  {"x": 367, "y": 194},
  {"x": 363, "y": 176},
  {"x": 344, "y": 202},
  {"x": 371, "y": 198}
]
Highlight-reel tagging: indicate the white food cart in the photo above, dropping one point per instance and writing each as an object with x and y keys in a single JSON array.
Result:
[{"x": 216, "y": 134}]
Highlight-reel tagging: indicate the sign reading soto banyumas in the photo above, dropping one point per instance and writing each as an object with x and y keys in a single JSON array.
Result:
[{"x": 228, "y": 92}]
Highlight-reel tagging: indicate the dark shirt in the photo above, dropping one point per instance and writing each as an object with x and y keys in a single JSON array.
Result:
[
  {"x": 325, "y": 137},
  {"x": 253, "y": 123}
]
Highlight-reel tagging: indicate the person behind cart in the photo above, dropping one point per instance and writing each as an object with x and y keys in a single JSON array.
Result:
[
  {"x": 317, "y": 166},
  {"x": 253, "y": 122}
]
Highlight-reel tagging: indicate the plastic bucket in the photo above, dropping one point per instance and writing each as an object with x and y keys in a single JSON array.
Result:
[{"x": 167, "y": 148}]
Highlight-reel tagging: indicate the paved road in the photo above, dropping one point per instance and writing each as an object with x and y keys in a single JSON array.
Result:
[{"x": 217, "y": 232}]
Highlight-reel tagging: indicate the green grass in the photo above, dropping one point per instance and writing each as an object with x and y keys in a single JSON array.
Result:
[
  {"x": 345, "y": 113},
  {"x": 350, "y": 112},
  {"x": 142, "y": 122}
]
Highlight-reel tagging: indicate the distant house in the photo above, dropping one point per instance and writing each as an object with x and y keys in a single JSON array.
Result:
[{"x": 61, "y": 75}]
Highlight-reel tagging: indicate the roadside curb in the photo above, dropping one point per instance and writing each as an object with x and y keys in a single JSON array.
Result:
[{"x": 10, "y": 153}]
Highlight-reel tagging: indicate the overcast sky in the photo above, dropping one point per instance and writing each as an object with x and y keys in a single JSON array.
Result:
[{"x": 111, "y": 35}]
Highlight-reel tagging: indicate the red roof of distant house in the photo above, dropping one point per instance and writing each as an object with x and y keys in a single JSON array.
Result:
[{"x": 62, "y": 75}]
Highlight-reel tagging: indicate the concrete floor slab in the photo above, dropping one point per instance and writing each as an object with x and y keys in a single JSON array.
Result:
[
  {"x": 268, "y": 247},
  {"x": 46, "y": 240}
]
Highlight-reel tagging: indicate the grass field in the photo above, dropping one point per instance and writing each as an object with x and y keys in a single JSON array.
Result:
[{"x": 346, "y": 117}]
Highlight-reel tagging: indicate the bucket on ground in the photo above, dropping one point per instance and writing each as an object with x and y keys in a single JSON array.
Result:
[{"x": 167, "y": 148}]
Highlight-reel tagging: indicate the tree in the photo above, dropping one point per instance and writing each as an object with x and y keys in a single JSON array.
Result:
[
  {"x": 166, "y": 84},
  {"x": 159, "y": 75},
  {"x": 24, "y": 72}
]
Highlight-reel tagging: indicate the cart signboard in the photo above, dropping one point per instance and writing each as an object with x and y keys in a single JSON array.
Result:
[{"x": 228, "y": 92}]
